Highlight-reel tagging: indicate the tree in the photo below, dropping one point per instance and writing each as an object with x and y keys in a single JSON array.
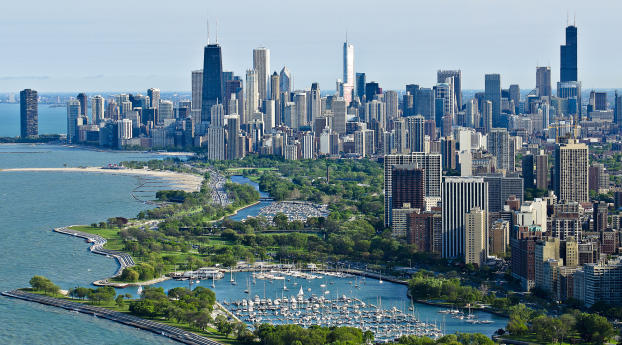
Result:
[
  {"x": 594, "y": 328},
  {"x": 40, "y": 283},
  {"x": 119, "y": 300}
]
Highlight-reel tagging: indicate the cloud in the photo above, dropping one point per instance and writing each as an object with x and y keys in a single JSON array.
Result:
[{"x": 26, "y": 77}]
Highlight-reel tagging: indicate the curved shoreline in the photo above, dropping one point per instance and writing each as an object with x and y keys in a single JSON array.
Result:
[{"x": 183, "y": 181}]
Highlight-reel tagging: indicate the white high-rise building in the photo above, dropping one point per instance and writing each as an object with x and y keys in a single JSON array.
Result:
[
  {"x": 217, "y": 112},
  {"x": 269, "y": 116},
  {"x": 165, "y": 111},
  {"x": 154, "y": 97},
  {"x": 261, "y": 65},
  {"x": 498, "y": 143},
  {"x": 348, "y": 71},
  {"x": 97, "y": 109},
  {"x": 252, "y": 95},
  {"x": 125, "y": 130},
  {"x": 391, "y": 101},
  {"x": 216, "y": 143},
  {"x": 459, "y": 196},
  {"x": 307, "y": 146}
]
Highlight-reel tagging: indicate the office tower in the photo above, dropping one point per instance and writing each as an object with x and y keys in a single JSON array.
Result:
[
  {"x": 568, "y": 56},
  {"x": 442, "y": 76},
  {"x": 339, "y": 115},
  {"x": 527, "y": 165},
  {"x": 154, "y": 97},
  {"x": 499, "y": 237},
  {"x": 97, "y": 109},
  {"x": 234, "y": 96},
  {"x": 459, "y": 196},
  {"x": 166, "y": 111},
  {"x": 348, "y": 71},
  {"x": 501, "y": 188},
  {"x": 125, "y": 130},
  {"x": 84, "y": 101},
  {"x": 360, "y": 85},
  {"x": 486, "y": 116},
  {"x": 73, "y": 114},
  {"x": 391, "y": 101},
  {"x": 444, "y": 101},
  {"x": 300, "y": 98},
  {"x": 598, "y": 100},
  {"x": 492, "y": 93},
  {"x": 212, "y": 88},
  {"x": 424, "y": 103},
  {"x": 416, "y": 133},
  {"x": 498, "y": 142},
  {"x": 364, "y": 142},
  {"x": 431, "y": 165},
  {"x": 285, "y": 84},
  {"x": 112, "y": 111},
  {"x": 570, "y": 177},
  {"x": 197, "y": 89},
  {"x": 252, "y": 95},
  {"x": 448, "y": 152},
  {"x": 371, "y": 90},
  {"x": 29, "y": 113},
  {"x": 408, "y": 183},
  {"x": 542, "y": 171},
  {"x": 275, "y": 95},
  {"x": 400, "y": 143},
  {"x": 290, "y": 117},
  {"x": 261, "y": 65},
  {"x": 233, "y": 133},
  {"x": 475, "y": 239},
  {"x": 269, "y": 114},
  {"x": 314, "y": 109},
  {"x": 216, "y": 143},
  {"x": 515, "y": 97},
  {"x": 543, "y": 81}
]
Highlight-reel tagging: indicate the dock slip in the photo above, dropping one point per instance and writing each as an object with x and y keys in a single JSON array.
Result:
[{"x": 170, "y": 332}]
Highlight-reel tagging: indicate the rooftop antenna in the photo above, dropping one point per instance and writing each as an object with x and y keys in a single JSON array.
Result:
[
  {"x": 216, "y": 31},
  {"x": 207, "y": 31},
  {"x": 346, "y": 36}
]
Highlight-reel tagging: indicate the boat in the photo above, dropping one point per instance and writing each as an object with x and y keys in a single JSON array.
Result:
[{"x": 140, "y": 290}]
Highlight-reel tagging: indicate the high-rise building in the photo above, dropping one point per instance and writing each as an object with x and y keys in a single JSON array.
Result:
[
  {"x": 84, "y": 102},
  {"x": 498, "y": 142},
  {"x": 443, "y": 75},
  {"x": 212, "y": 88},
  {"x": 399, "y": 135},
  {"x": 73, "y": 114},
  {"x": 154, "y": 97},
  {"x": 528, "y": 165},
  {"x": 348, "y": 71},
  {"x": 570, "y": 178},
  {"x": 543, "y": 81},
  {"x": 252, "y": 95},
  {"x": 261, "y": 65},
  {"x": 598, "y": 100},
  {"x": 197, "y": 89},
  {"x": 514, "y": 92},
  {"x": 408, "y": 186},
  {"x": 29, "y": 113},
  {"x": 568, "y": 56},
  {"x": 492, "y": 93},
  {"x": 233, "y": 134},
  {"x": 300, "y": 98},
  {"x": 501, "y": 188},
  {"x": 424, "y": 103},
  {"x": 339, "y": 115},
  {"x": 475, "y": 237},
  {"x": 285, "y": 84},
  {"x": 97, "y": 109},
  {"x": 449, "y": 153},
  {"x": 459, "y": 196},
  {"x": 391, "y": 101},
  {"x": 542, "y": 171},
  {"x": 360, "y": 85},
  {"x": 416, "y": 133},
  {"x": 431, "y": 165},
  {"x": 314, "y": 103},
  {"x": 166, "y": 111},
  {"x": 617, "y": 115}
]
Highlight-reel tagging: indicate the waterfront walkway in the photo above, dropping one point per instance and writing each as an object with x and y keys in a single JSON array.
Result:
[
  {"x": 97, "y": 247},
  {"x": 171, "y": 332}
]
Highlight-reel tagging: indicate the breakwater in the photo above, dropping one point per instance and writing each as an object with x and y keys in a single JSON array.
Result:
[{"x": 170, "y": 332}]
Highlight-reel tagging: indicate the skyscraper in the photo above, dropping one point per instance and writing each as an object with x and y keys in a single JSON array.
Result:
[
  {"x": 431, "y": 165},
  {"x": 542, "y": 171},
  {"x": 285, "y": 80},
  {"x": 416, "y": 133},
  {"x": 528, "y": 164},
  {"x": 392, "y": 104},
  {"x": 261, "y": 65},
  {"x": 97, "y": 109},
  {"x": 84, "y": 101},
  {"x": 197, "y": 89},
  {"x": 154, "y": 97},
  {"x": 568, "y": 56},
  {"x": 360, "y": 85},
  {"x": 543, "y": 81},
  {"x": 29, "y": 113},
  {"x": 459, "y": 196},
  {"x": 441, "y": 77},
  {"x": 475, "y": 237},
  {"x": 408, "y": 186},
  {"x": 73, "y": 114},
  {"x": 348, "y": 71},
  {"x": 493, "y": 93},
  {"x": 570, "y": 179},
  {"x": 498, "y": 142},
  {"x": 252, "y": 95},
  {"x": 212, "y": 88},
  {"x": 339, "y": 115}
]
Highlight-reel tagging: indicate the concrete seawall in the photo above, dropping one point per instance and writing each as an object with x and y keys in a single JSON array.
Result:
[{"x": 170, "y": 332}]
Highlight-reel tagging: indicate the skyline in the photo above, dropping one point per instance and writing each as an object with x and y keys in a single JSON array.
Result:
[{"x": 127, "y": 56}]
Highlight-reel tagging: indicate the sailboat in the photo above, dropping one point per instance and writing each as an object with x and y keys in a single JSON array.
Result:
[
  {"x": 380, "y": 279},
  {"x": 213, "y": 282},
  {"x": 140, "y": 290},
  {"x": 284, "y": 287},
  {"x": 232, "y": 280},
  {"x": 301, "y": 293}
]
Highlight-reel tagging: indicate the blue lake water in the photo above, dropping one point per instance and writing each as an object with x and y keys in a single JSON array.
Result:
[
  {"x": 52, "y": 120},
  {"x": 254, "y": 209}
]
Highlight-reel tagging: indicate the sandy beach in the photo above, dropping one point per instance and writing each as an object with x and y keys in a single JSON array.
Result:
[{"x": 182, "y": 181}]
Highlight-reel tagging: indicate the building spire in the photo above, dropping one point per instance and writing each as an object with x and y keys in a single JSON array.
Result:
[
  {"x": 216, "y": 31},
  {"x": 207, "y": 21}
]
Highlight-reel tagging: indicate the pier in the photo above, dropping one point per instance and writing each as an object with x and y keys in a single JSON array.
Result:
[{"x": 170, "y": 332}]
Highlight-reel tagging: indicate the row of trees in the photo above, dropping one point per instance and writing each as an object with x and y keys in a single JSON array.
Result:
[
  {"x": 424, "y": 285},
  {"x": 450, "y": 339},
  {"x": 40, "y": 283}
]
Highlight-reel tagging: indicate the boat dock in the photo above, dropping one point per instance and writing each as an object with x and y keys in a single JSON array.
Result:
[
  {"x": 170, "y": 332},
  {"x": 97, "y": 247}
]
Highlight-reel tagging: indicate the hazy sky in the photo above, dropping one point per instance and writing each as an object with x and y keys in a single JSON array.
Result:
[{"x": 134, "y": 44}]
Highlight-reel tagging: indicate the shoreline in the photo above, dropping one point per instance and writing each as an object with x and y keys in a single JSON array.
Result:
[
  {"x": 183, "y": 181},
  {"x": 102, "y": 149}
]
